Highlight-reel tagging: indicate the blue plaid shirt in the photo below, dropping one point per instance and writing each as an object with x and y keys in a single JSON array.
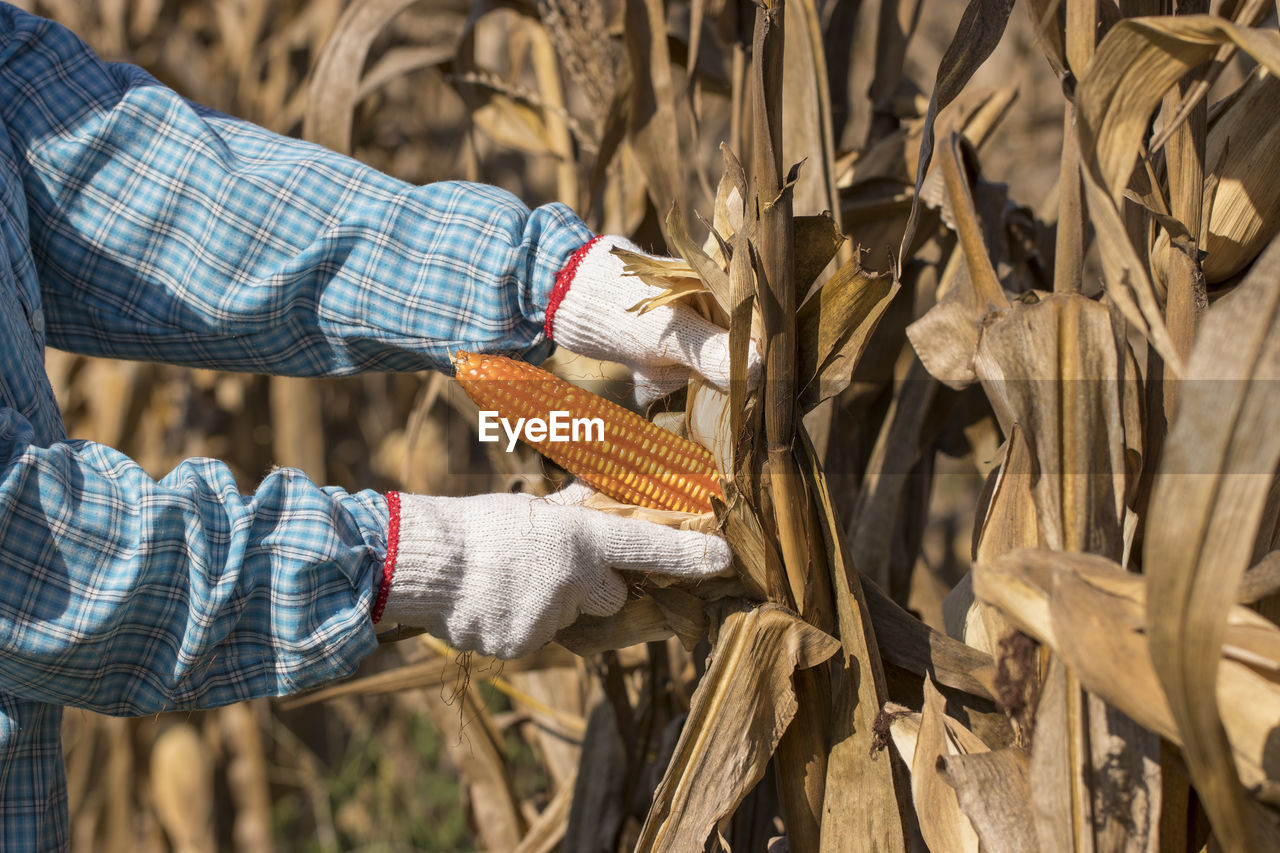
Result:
[{"x": 136, "y": 224}]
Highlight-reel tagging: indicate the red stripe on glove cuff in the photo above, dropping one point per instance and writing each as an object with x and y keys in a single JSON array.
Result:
[
  {"x": 564, "y": 278},
  {"x": 389, "y": 564}
]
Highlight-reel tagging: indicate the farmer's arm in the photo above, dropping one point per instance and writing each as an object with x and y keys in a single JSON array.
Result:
[
  {"x": 164, "y": 231},
  {"x": 128, "y": 595}
]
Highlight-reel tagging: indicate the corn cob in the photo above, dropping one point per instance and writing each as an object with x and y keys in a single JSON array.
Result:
[{"x": 638, "y": 462}]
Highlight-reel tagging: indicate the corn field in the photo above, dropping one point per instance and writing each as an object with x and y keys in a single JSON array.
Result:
[{"x": 1004, "y": 508}]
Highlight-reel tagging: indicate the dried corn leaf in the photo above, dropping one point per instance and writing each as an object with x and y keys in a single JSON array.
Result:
[
  {"x": 944, "y": 826},
  {"x": 1059, "y": 796},
  {"x": 680, "y": 291},
  {"x": 1124, "y": 272},
  {"x": 1137, "y": 62},
  {"x": 980, "y": 30},
  {"x": 986, "y": 289},
  {"x": 1201, "y": 529},
  {"x": 731, "y": 207},
  {"x": 976, "y": 114},
  {"x": 1262, "y": 579},
  {"x": 659, "y": 272},
  {"x": 906, "y": 642},
  {"x": 1010, "y": 519},
  {"x": 684, "y": 613},
  {"x": 753, "y": 553},
  {"x": 335, "y": 82},
  {"x": 807, "y": 132},
  {"x": 818, "y": 239},
  {"x": 651, "y": 122},
  {"x": 834, "y": 327},
  {"x": 739, "y": 712},
  {"x": 1052, "y": 367},
  {"x": 500, "y": 823},
  {"x": 640, "y": 620},
  {"x": 860, "y": 806},
  {"x": 883, "y": 34},
  {"x": 994, "y": 792},
  {"x": 885, "y": 163},
  {"x": 904, "y": 730},
  {"x": 801, "y": 758},
  {"x": 966, "y": 619},
  {"x": 1179, "y": 267},
  {"x": 889, "y": 161},
  {"x": 1248, "y": 13},
  {"x": 515, "y": 122},
  {"x": 714, "y": 279},
  {"x": 1091, "y": 613},
  {"x": 1048, "y": 21},
  {"x": 945, "y": 337}
]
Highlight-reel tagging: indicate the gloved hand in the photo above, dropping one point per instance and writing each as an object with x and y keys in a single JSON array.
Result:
[
  {"x": 587, "y": 314},
  {"x": 502, "y": 573}
]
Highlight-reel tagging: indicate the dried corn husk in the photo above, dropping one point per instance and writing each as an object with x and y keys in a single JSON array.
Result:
[
  {"x": 1243, "y": 212},
  {"x": 740, "y": 711},
  {"x": 708, "y": 422},
  {"x": 1242, "y": 187},
  {"x": 945, "y": 827}
]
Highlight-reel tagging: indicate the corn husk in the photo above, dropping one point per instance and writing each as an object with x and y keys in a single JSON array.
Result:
[{"x": 1245, "y": 202}]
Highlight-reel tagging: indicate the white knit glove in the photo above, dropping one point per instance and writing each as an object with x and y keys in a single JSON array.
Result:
[
  {"x": 502, "y": 573},
  {"x": 587, "y": 314}
]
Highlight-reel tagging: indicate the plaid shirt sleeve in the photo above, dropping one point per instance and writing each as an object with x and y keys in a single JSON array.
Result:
[
  {"x": 165, "y": 231},
  {"x": 132, "y": 596}
]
